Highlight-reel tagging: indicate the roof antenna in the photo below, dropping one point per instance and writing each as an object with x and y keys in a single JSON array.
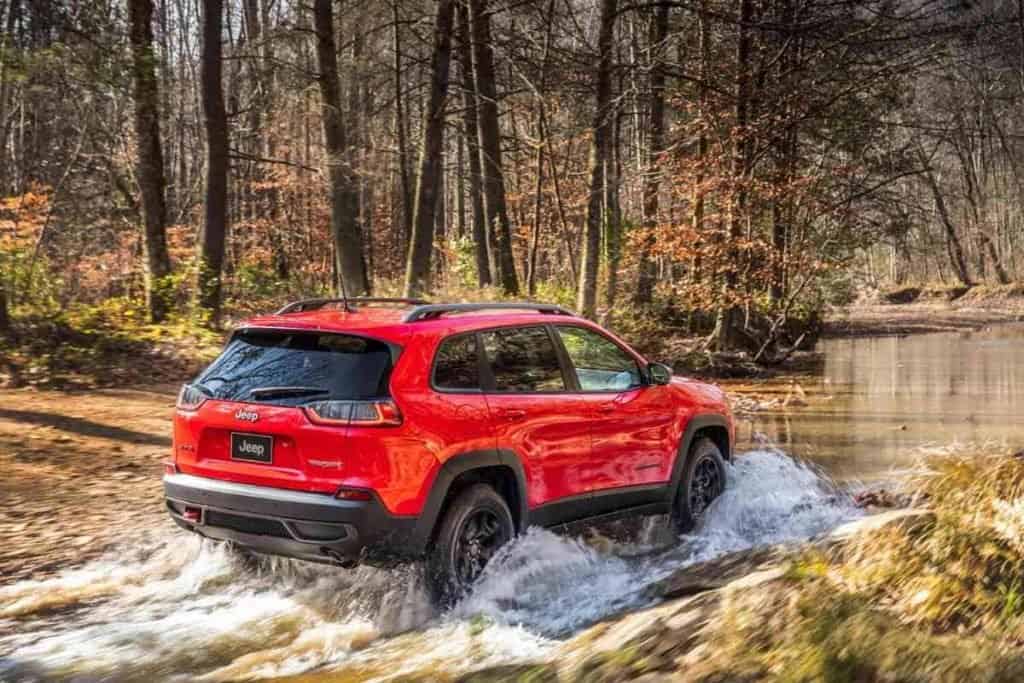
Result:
[{"x": 344, "y": 296}]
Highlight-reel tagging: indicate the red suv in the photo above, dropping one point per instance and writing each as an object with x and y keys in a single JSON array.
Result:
[{"x": 384, "y": 430}]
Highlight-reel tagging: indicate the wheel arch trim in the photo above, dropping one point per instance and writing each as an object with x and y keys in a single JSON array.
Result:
[
  {"x": 449, "y": 471},
  {"x": 695, "y": 424}
]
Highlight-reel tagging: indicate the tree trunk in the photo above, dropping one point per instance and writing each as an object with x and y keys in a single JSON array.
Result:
[
  {"x": 5, "y": 317},
  {"x": 613, "y": 211},
  {"x": 5, "y": 38},
  {"x": 151, "y": 158},
  {"x": 655, "y": 144},
  {"x": 417, "y": 273},
  {"x": 401, "y": 133},
  {"x": 344, "y": 186},
  {"x": 956, "y": 250},
  {"x": 704, "y": 58},
  {"x": 490, "y": 147},
  {"x": 471, "y": 131},
  {"x": 214, "y": 231},
  {"x": 542, "y": 141},
  {"x": 728, "y": 323},
  {"x": 586, "y": 295}
]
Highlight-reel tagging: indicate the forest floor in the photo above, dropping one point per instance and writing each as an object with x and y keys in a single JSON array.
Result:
[{"x": 81, "y": 470}]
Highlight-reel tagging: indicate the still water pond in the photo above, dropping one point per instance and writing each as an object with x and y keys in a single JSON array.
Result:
[{"x": 880, "y": 402}]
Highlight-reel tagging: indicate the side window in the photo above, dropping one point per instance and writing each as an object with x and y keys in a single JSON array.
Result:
[
  {"x": 523, "y": 360},
  {"x": 599, "y": 362},
  {"x": 457, "y": 365}
]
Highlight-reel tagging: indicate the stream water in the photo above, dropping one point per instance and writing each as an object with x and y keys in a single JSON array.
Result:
[
  {"x": 170, "y": 606},
  {"x": 881, "y": 401},
  {"x": 179, "y": 607}
]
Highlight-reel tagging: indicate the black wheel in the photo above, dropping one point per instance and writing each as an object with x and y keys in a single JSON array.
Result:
[
  {"x": 703, "y": 481},
  {"x": 475, "y": 525}
]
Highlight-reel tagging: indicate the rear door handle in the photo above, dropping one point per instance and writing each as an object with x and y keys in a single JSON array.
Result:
[
  {"x": 512, "y": 414},
  {"x": 606, "y": 408}
]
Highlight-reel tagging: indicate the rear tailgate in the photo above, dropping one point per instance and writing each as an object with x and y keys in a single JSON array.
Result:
[{"x": 203, "y": 445}]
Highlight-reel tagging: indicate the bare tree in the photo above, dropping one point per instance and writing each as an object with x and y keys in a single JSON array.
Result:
[
  {"x": 150, "y": 158},
  {"x": 417, "y": 273},
  {"x": 490, "y": 147},
  {"x": 728, "y": 324},
  {"x": 471, "y": 133},
  {"x": 655, "y": 144},
  {"x": 586, "y": 295},
  {"x": 215, "y": 220},
  {"x": 350, "y": 262}
]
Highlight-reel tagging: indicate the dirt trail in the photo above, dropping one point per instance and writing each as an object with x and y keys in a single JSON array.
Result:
[{"x": 79, "y": 470}]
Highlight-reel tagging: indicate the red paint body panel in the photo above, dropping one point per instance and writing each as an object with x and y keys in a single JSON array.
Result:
[
  {"x": 568, "y": 443},
  {"x": 551, "y": 435}
]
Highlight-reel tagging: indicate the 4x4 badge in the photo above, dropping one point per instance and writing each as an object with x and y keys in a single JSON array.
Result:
[{"x": 247, "y": 415}]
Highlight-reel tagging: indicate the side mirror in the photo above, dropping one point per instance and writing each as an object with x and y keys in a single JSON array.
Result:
[{"x": 659, "y": 373}]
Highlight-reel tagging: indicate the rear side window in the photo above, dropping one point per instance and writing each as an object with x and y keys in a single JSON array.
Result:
[
  {"x": 457, "y": 366},
  {"x": 523, "y": 360},
  {"x": 291, "y": 368}
]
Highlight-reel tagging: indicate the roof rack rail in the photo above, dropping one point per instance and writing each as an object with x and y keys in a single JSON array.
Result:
[
  {"x": 346, "y": 303},
  {"x": 432, "y": 311}
]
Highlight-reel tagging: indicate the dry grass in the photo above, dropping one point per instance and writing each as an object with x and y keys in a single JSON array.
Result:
[{"x": 936, "y": 601}]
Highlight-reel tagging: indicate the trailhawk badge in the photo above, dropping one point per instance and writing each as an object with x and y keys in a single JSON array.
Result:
[{"x": 247, "y": 415}]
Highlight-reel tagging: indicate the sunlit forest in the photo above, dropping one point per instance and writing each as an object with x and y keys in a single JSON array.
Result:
[{"x": 733, "y": 166}]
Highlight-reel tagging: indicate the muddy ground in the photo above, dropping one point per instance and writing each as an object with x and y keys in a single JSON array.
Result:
[{"x": 79, "y": 470}]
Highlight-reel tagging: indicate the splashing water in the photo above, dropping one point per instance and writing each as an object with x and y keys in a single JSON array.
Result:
[{"x": 190, "y": 608}]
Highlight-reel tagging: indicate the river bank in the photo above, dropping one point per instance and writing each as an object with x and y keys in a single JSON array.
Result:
[
  {"x": 926, "y": 593},
  {"x": 922, "y": 310}
]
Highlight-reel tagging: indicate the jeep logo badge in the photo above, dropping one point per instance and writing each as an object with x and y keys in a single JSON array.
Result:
[{"x": 247, "y": 415}]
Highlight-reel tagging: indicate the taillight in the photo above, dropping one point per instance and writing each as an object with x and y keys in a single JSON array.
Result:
[
  {"x": 190, "y": 397},
  {"x": 170, "y": 467},
  {"x": 359, "y": 413}
]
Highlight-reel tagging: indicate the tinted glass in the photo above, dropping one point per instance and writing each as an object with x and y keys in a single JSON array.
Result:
[
  {"x": 523, "y": 360},
  {"x": 457, "y": 365},
  {"x": 600, "y": 364},
  {"x": 340, "y": 366}
]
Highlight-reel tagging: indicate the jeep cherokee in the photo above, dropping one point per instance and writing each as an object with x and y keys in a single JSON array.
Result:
[{"x": 385, "y": 430}]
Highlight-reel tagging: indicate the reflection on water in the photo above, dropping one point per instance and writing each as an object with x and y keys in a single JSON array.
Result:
[
  {"x": 179, "y": 608},
  {"x": 879, "y": 401}
]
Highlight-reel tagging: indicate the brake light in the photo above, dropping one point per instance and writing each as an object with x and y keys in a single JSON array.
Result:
[
  {"x": 360, "y": 413},
  {"x": 190, "y": 397}
]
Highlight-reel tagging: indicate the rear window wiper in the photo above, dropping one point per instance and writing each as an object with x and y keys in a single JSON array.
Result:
[{"x": 281, "y": 392}]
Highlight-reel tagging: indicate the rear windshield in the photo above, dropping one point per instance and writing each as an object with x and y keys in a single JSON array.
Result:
[{"x": 291, "y": 368}]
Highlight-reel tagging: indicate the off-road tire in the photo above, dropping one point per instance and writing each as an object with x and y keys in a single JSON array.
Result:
[
  {"x": 705, "y": 469},
  {"x": 454, "y": 562}
]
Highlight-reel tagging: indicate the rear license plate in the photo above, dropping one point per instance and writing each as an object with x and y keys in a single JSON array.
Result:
[{"x": 252, "y": 447}]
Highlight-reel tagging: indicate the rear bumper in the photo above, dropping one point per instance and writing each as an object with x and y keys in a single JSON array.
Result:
[{"x": 308, "y": 526}]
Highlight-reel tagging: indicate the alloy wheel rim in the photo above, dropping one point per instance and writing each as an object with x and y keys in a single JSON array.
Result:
[
  {"x": 705, "y": 487},
  {"x": 478, "y": 540}
]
